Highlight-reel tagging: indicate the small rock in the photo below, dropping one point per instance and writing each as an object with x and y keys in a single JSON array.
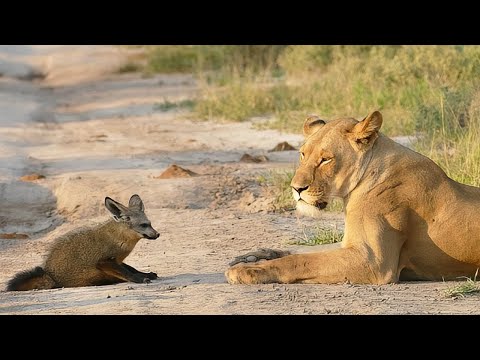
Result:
[
  {"x": 32, "y": 177},
  {"x": 283, "y": 146},
  {"x": 253, "y": 159}
]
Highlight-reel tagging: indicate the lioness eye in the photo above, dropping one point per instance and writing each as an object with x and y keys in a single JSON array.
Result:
[{"x": 302, "y": 156}]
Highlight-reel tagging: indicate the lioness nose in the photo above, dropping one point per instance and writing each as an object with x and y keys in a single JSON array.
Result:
[{"x": 300, "y": 189}]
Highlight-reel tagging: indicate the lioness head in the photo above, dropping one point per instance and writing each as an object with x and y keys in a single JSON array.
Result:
[{"x": 333, "y": 159}]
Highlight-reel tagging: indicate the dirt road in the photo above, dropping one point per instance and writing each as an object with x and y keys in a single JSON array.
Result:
[{"x": 91, "y": 133}]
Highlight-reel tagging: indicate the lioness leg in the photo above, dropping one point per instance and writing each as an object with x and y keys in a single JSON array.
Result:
[{"x": 329, "y": 267}]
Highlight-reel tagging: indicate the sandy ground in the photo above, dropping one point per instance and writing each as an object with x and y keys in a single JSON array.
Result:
[{"x": 93, "y": 134}]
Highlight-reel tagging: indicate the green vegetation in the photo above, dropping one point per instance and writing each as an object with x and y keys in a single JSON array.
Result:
[
  {"x": 169, "y": 105},
  {"x": 429, "y": 91},
  {"x": 321, "y": 236},
  {"x": 203, "y": 58},
  {"x": 129, "y": 67},
  {"x": 468, "y": 287},
  {"x": 335, "y": 205},
  {"x": 279, "y": 182}
]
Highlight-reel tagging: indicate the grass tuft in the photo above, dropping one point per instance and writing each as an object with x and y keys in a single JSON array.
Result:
[
  {"x": 129, "y": 67},
  {"x": 279, "y": 182},
  {"x": 320, "y": 235},
  {"x": 468, "y": 287},
  {"x": 167, "y": 105}
]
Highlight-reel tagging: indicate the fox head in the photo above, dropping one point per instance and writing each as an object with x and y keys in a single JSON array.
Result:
[{"x": 133, "y": 216}]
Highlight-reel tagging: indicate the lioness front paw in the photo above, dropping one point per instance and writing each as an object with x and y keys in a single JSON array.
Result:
[{"x": 246, "y": 274}]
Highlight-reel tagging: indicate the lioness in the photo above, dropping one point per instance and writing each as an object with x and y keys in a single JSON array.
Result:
[{"x": 405, "y": 219}]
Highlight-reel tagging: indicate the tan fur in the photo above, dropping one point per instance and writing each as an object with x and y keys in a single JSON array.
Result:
[
  {"x": 93, "y": 255},
  {"x": 73, "y": 258},
  {"x": 404, "y": 218}
]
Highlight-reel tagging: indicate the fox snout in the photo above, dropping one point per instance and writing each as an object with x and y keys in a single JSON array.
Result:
[{"x": 152, "y": 235}]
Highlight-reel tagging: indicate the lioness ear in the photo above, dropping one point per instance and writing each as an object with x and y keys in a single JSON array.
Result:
[
  {"x": 312, "y": 124},
  {"x": 367, "y": 129}
]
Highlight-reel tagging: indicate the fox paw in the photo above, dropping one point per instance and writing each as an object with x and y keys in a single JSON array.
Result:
[
  {"x": 140, "y": 279},
  {"x": 151, "y": 276}
]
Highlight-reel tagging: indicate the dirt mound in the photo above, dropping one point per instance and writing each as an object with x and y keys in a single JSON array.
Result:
[
  {"x": 253, "y": 159},
  {"x": 32, "y": 177},
  {"x": 283, "y": 146},
  {"x": 175, "y": 171},
  {"x": 250, "y": 202},
  {"x": 13, "y": 236}
]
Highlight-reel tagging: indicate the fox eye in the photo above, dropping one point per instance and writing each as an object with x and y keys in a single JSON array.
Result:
[
  {"x": 126, "y": 218},
  {"x": 143, "y": 225}
]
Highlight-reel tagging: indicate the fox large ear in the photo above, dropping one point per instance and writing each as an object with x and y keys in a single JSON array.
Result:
[
  {"x": 312, "y": 124},
  {"x": 366, "y": 131},
  {"x": 115, "y": 208},
  {"x": 136, "y": 203}
]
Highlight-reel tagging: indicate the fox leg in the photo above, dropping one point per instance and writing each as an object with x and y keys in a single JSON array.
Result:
[
  {"x": 150, "y": 275},
  {"x": 112, "y": 268}
]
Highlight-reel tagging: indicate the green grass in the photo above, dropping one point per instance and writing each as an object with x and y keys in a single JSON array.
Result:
[
  {"x": 129, "y": 67},
  {"x": 167, "y": 105},
  {"x": 336, "y": 81},
  {"x": 456, "y": 148},
  {"x": 320, "y": 235},
  {"x": 226, "y": 59},
  {"x": 426, "y": 90},
  {"x": 335, "y": 205},
  {"x": 468, "y": 287},
  {"x": 279, "y": 182}
]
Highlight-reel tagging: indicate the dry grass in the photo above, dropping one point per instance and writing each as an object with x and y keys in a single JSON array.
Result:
[
  {"x": 320, "y": 235},
  {"x": 167, "y": 105},
  {"x": 468, "y": 287},
  {"x": 279, "y": 182},
  {"x": 427, "y": 90}
]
